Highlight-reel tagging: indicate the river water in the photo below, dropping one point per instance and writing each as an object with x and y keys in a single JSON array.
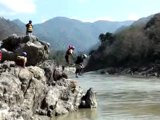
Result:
[{"x": 119, "y": 98}]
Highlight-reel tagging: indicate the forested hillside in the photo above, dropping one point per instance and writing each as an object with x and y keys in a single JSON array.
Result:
[{"x": 134, "y": 46}]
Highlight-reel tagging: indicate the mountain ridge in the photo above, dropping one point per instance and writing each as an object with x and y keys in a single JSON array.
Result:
[{"x": 62, "y": 31}]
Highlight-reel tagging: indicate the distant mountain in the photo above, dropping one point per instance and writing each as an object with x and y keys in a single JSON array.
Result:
[
  {"x": 8, "y": 27},
  {"x": 140, "y": 22},
  {"x": 20, "y": 24},
  {"x": 111, "y": 26},
  {"x": 61, "y": 32}
]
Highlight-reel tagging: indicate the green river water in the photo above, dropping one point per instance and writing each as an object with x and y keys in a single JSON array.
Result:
[{"x": 119, "y": 98}]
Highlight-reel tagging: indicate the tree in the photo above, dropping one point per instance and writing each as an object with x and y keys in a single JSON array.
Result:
[
  {"x": 102, "y": 37},
  {"x": 110, "y": 37},
  {"x": 107, "y": 37}
]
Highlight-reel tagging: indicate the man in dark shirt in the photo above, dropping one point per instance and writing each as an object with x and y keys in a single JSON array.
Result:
[{"x": 79, "y": 64}]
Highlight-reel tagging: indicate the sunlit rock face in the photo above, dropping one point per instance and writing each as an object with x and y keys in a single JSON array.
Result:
[{"x": 26, "y": 93}]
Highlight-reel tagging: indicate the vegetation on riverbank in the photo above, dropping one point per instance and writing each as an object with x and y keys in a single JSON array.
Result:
[{"x": 135, "y": 47}]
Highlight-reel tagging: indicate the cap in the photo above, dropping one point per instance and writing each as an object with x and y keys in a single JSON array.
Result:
[
  {"x": 24, "y": 54},
  {"x": 71, "y": 47},
  {"x": 85, "y": 56}
]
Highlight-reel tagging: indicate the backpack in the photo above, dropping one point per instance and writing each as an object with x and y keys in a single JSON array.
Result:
[{"x": 29, "y": 27}]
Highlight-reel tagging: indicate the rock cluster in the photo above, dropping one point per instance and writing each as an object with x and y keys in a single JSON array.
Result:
[
  {"x": 27, "y": 93},
  {"x": 37, "y": 51}
]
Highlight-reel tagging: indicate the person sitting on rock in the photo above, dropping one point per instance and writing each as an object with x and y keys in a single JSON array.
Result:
[
  {"x": 29, "y": 28},
  {"x": 22, "y": 59},
  {"x": 79, "y": 64}
]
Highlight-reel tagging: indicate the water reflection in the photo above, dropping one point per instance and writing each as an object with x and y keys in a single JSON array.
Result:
[{"x": 82, "y": 114}]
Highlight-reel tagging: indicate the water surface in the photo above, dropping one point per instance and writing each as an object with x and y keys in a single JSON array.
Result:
[{"x": 119, "y": 98}]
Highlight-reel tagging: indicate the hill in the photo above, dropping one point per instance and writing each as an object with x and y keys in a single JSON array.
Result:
[
  {"x": 61, "y": 32},
  {"x": 137, "y": 46},
  {"x": 8, "y": 27}
]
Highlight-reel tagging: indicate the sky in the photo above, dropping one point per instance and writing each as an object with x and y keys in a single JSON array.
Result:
[{"x": 40, "y": 11}]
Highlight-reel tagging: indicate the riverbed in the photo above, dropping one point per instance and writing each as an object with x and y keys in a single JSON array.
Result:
[{"x": 119, "y": 98}]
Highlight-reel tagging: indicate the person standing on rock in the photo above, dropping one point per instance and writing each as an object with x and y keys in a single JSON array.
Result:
[
  {"x": 29, "y": 28},
  {"x": 79, "y": 64},
  {"x": 68, "y": 56}
]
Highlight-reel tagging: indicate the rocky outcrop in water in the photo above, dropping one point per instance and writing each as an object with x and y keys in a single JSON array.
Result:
[
  {"x": 27, "y": 93},
  {"x": 88, "y": 100}
]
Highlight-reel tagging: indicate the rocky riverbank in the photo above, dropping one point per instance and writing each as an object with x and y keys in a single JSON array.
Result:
[
  {"x": 152, "y": 70},
  {"x": 40, "y": 88}
]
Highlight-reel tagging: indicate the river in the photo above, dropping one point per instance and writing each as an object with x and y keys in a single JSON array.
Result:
[{"x": 119, "y": 98}]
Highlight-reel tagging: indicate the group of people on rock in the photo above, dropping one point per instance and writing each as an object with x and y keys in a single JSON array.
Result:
[
  {"x": 69, "y": 53},
  {"x": 79, "y": 60},
  {"x": 21, "y": 59}
]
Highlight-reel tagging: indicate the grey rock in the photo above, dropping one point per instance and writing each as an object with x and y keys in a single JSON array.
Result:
[
  {"x": 89, "y": 100},
  {"x": 37, "y": 51},
  {"x": 25, "y": 93}
]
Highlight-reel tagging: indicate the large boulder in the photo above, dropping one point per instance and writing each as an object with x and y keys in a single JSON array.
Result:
[
  {"x": 21, "y": 91},
  {"x": 89, "y": 99},
  {"x": 37, "y": 51},
  {"x": 51, "y": 72},
  {"x": 26, "y": 93}
]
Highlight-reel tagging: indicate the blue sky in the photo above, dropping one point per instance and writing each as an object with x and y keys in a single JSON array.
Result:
[{"x": 85, "y": 10}]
